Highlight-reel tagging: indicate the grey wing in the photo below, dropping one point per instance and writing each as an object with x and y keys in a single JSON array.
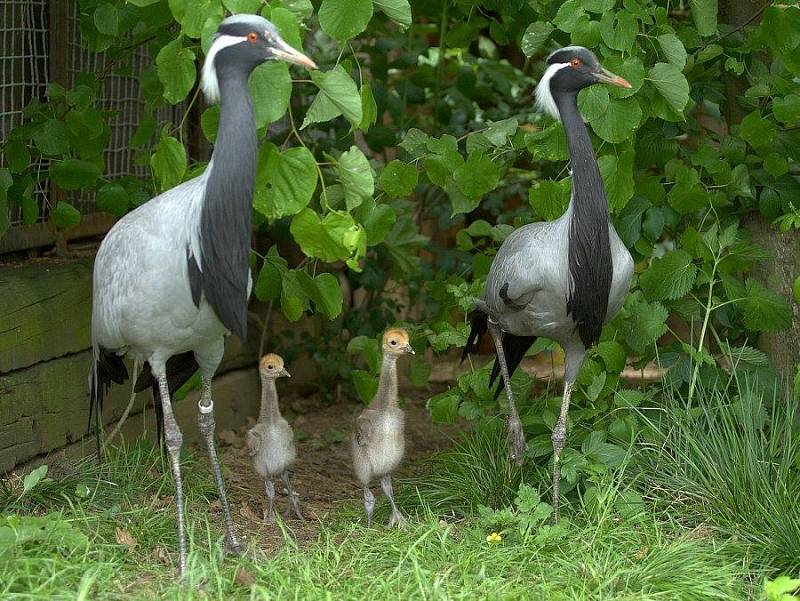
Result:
[
  {"x": 517, "y": 270},
  {"x": 363, "y": 430}
]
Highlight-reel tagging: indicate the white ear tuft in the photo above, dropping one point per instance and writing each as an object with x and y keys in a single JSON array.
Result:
[
  {"x": 209, "y": 82},
  {"x": 544, "y": 99}
]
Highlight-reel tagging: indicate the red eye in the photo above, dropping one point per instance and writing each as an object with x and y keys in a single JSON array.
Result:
[
  {"x": 576, "y": 62},
  {"x": 252, "y": 36}
]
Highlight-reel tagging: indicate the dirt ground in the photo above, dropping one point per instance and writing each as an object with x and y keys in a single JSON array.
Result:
[{"x": 322, "y": 475}]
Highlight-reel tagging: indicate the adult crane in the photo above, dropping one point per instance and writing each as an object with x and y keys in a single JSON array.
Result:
[
  {"x": 561, "y": 279},
  {"x": 171, "y": 278}
]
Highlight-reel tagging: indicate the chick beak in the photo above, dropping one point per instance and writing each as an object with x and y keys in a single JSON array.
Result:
[
  {"x": 606, "y": 76},
  {"x": 284, "y": 372},
  {"x": 283, "y": 51},
  {"x": 407, "y": 348}
]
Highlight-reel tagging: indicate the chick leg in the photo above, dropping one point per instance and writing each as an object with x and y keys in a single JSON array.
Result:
[
  {"x": 396, "y": 518},
  {"x": 516, "y": 437},
  {"x": 369, "y": 504},
  {"x": 269, "y": 513},
  {"x": 294, "y": 504}
]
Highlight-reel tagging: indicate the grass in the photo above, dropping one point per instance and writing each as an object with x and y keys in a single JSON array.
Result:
[{"x": 67, "y": 538}]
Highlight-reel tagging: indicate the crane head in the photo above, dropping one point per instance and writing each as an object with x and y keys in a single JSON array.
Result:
[
  {"x": 395, "y": 342},
  {"x": 569, "y": 70},
  {"x": 242, "y": 43}
]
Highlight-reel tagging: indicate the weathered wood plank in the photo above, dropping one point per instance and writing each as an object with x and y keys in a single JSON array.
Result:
[{"x": 45, "y": 312}]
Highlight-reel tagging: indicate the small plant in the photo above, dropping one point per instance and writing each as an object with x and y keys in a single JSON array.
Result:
[
  {"x": 527, "y": 518},
  {"x": 781, "y": 589}
]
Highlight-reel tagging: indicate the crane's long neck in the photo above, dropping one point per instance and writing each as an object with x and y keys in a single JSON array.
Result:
[
  {"x": 387, "y": 384},
  {"x": 225, "y": 220},
  {"x": 590, "y": 261},
  {"x": 269, "y": 412}
]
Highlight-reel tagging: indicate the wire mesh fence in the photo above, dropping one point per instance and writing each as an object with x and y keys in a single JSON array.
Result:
[{"x": 26, "y": 67}]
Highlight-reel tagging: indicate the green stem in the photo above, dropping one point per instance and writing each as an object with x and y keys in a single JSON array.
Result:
[{"x": 709, "y": 309}]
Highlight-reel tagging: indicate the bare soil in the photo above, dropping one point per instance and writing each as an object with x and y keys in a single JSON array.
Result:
[{"x": 322, "y": 475}]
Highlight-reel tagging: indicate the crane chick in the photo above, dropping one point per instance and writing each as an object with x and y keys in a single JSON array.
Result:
[
  {"x": 378, "y": 442},
  {"x": 271, "y": 441}
]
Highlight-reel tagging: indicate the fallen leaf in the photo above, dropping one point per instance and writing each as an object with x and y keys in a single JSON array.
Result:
[
  {"x": 642, "y": 553},
  {"x": 125, "y": 538},
  {"x": 215, "y": 506},
  {"x": 162, "y": 501},
  {"x": 163, "y": 555},
  {"x": 244, "y": 577},
  {"x": 247, "y": 512}
]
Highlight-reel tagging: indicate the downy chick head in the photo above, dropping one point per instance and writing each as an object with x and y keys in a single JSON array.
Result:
[
  {"x": 271, "y": 367},
  {"x": 395, "y": 342}
]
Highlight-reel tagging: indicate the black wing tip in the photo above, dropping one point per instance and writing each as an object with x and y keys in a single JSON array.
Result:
[{"x": 479, "y": 323}]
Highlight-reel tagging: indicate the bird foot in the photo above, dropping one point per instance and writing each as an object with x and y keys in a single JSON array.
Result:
[
  {"x": 269, "y": 517},
  {"x": 292, "y": 512},
  {"x": 233, "y": 548},
  {"x": 516, "y": 440},
  {"x": 397, "y": 519}
]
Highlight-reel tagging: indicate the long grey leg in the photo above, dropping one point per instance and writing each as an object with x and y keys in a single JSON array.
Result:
[
  {"x": 369, "y": 504},
  {"x": 294, "y": 504},
  {"x": 269, "y": 513},
  {"x": 174, "y": 439},
  {"x": 205, "y": 419},
  {"x": 396, "y": 518},
  {"x": 516, "y": 437},
  {"x": 559, "y": 437}
]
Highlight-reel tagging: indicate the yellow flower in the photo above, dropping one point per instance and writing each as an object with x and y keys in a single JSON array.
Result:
[{"x": 494, "y": 538}]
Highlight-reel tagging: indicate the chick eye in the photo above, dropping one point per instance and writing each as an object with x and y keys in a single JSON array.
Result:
[
  {"x": 269, "y": 367},
  {"x": 252, "y": 36},
  {"x": 393, "y": 342},
  {"x": 576, "y": 62}
]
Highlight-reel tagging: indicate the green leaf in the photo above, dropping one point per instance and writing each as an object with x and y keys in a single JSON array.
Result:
[
  {"x": 619, "y": 121},
  {"x": 52, "y": 137},
  {"x": 377, "y": 219},
  {"x": 617, "y": 172},
  {"x": 142, "y": 3},
  {"x": 269, "y": 283},
  {"x": 344, "y": 19},
  {"x": 65, "y": 215},
  {"x": 756, "y": 130},
  {"x": 194, "y": 14},
  {"x": 106, "y": 19},
  {"x": 398, "y": 11},
  {"x": 271, "y": 87},
  {"x": 365, "y": 383},
  {"x": 549, "y": 144},
  {"x": 17, "y": 156},
  {"x": 6, "y": 181},
  {"x": 787, "y": 109},
  {"x": 398, "y": 179},
  {"x": 355, "y": 174},
  {"x": 568, "y": 15},
  {"x": 535, "y": 37},
  {"x": 478, "y": 176},
  {"x": 337, "y": 95},
  {"x": 671, "y": 84},
  {"x": 176, "y": 71},
  {"x": 144, "y": 131},
  {"x": 704, "y": 14},
  {"x": 765, "y": 310},
  {"x": 285, "y": 181},
  {"x": 73, "y": 174},
  {"x": 242, "y": 6},
  {"x": 332, "y": 238},
  {"x": 444, "y": 406},
  {"x": 31, "y": 480},
  {"x": 673, "y": 49},
  {"x": 169, "y": 162},
  {"x": 549, "y": 198},
  {"x": 618, "y": 29},
  {"x": 669, "y": 277},
  {"x": 112, "y": 198},
  {"x": 324, "y": 291},
  {"x": 613, "y": 355},
  {"x": 593, "y": 102},
  {"x": 688, "y": 198},
  {"x": 369, "y": 109},
  {"x": 646, "y": 323}
]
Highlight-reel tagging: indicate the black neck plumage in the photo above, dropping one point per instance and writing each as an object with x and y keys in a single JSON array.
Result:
[
  {"x": 590, "y": 263},
  {"x": 226, "y": 215}
]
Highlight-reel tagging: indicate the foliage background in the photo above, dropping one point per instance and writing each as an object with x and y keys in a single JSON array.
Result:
[{"x": 387, "y": 179}]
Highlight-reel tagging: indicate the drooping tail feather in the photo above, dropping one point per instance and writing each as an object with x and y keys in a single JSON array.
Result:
[
  {"x": 108, "y": 368},
  {"x": 514, "y": 347}
]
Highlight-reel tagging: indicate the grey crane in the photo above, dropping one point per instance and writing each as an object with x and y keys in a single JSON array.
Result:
[
  {"x": 378, "y": 440},
  {"x": 171, "y": 278},
  {"x": 270, "y": 442},
  {"x": 561, "y": 279}
]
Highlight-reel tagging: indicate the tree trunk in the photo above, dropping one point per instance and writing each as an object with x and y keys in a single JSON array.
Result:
[{"x": 782, "y": 348}]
